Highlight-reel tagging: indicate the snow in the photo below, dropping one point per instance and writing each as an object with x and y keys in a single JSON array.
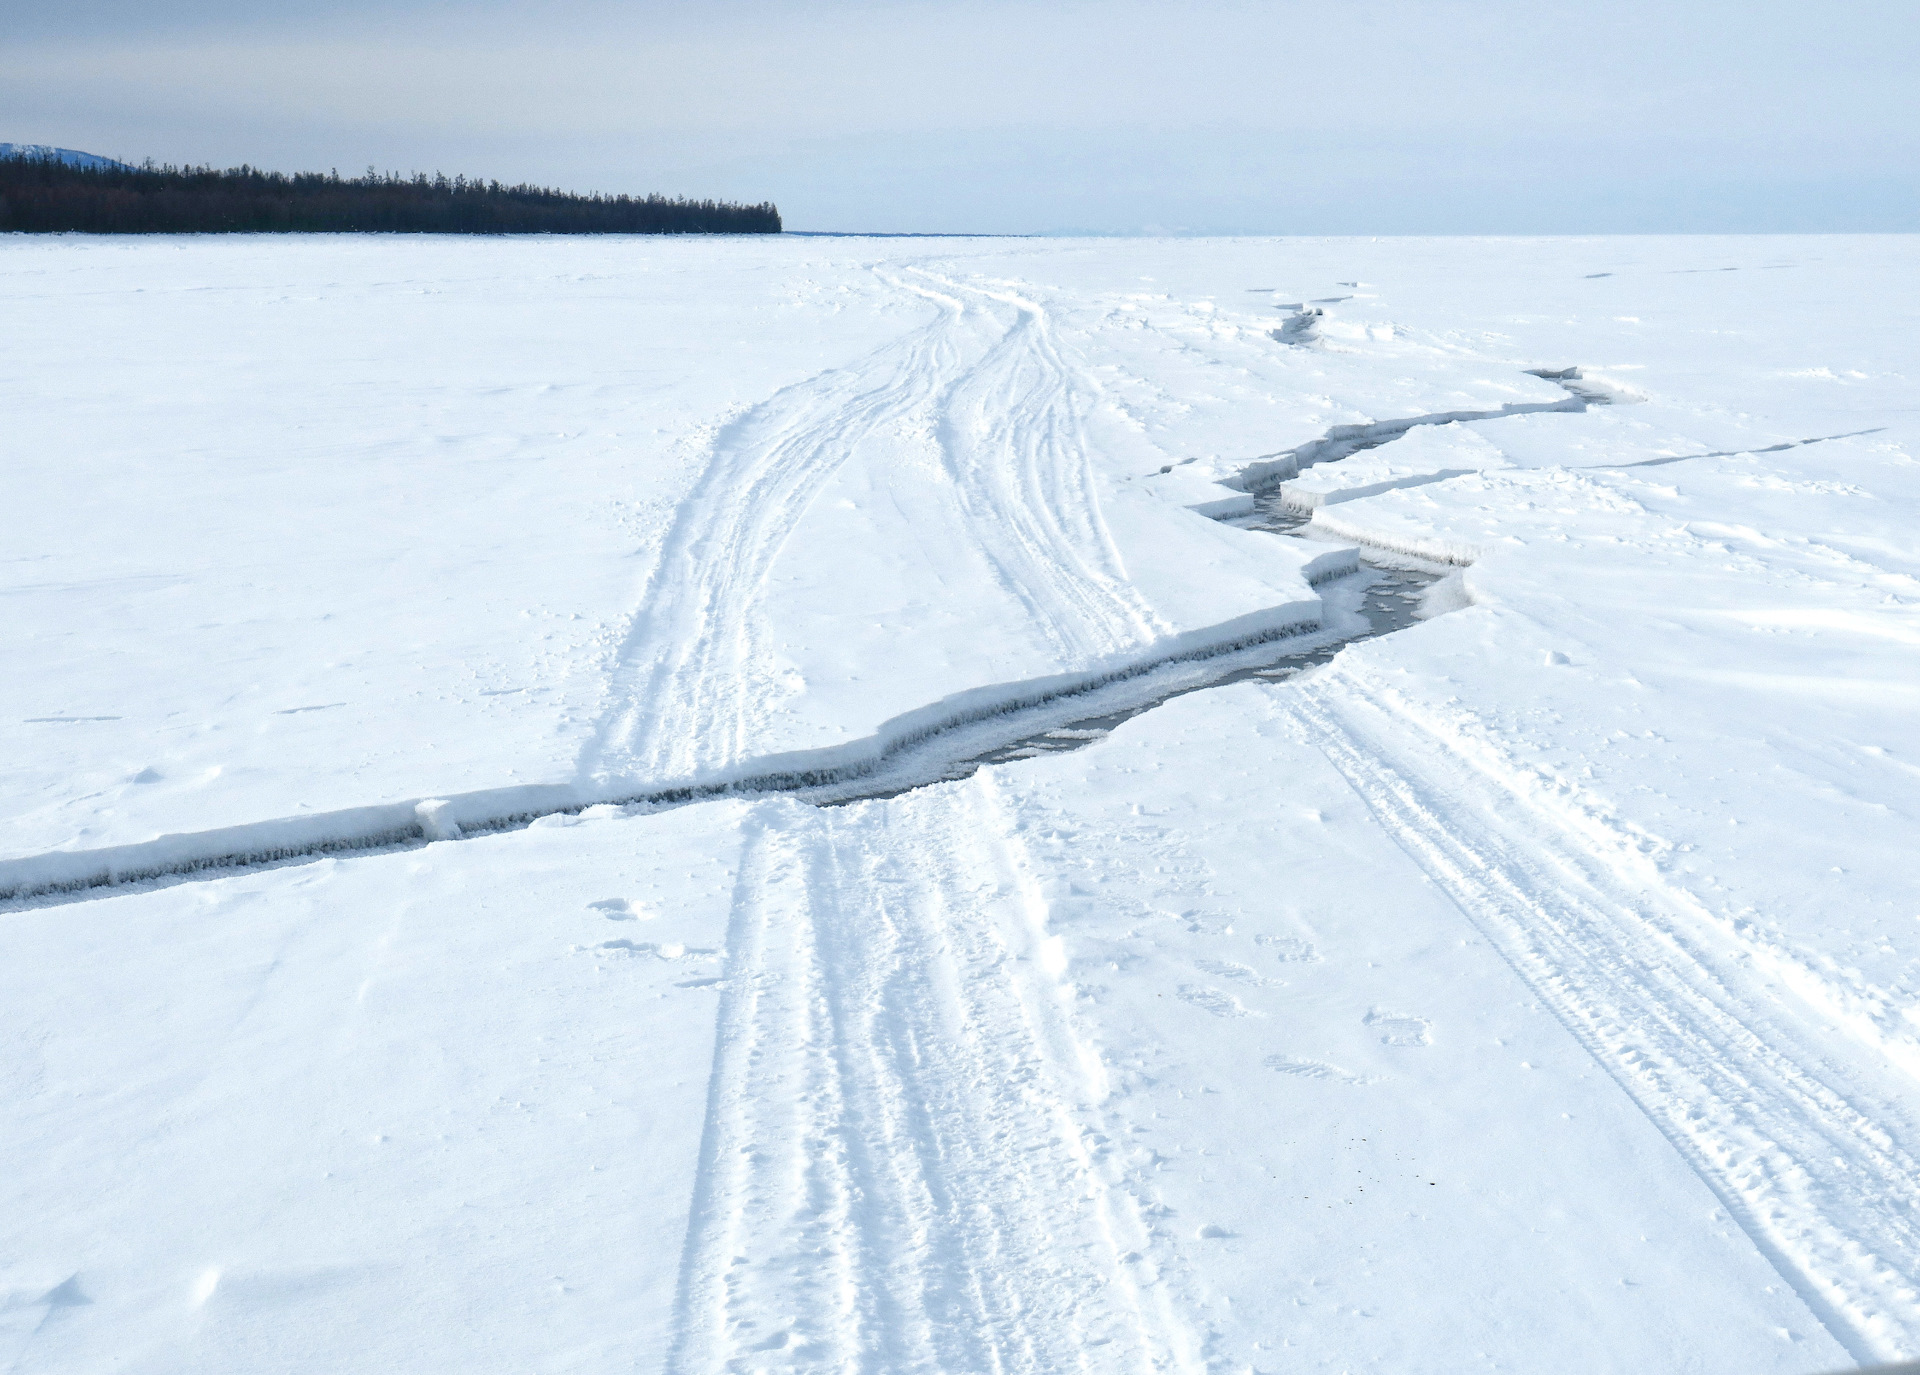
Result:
[
  {"x": 1531, "y": 987},
  {"x": 331, "y": 1188},
  {"x": 386, "y": 520}
]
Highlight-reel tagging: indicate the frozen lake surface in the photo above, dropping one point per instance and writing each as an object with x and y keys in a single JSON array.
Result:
[{"x": 428, "y": 945}]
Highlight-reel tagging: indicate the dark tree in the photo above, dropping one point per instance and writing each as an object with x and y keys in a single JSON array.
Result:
[{"x": 44, "y": 195}]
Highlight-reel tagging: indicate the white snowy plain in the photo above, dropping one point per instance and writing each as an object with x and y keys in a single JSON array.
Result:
[{"x": 1532, "y": 988}]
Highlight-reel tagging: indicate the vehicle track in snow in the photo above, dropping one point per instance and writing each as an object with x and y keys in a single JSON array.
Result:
[
  {"x": 689, "y": 657},
  {"x": 902, "y": 1167},
  {"x": 983, "y": 384},
  {"x": 685, "y": 671},
  {"x": 1766, "y": 1116},
  {"x": 894, "y": 1111},
  {"x": 1017, "y": 456}
]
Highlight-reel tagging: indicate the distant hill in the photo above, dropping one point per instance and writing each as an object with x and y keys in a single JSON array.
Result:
[
  {"x": 49, "y": 190},
  {"x": 72, "y": 157}
]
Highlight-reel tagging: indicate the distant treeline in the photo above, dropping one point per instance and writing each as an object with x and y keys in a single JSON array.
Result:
[{"x": 41, "y": 194}]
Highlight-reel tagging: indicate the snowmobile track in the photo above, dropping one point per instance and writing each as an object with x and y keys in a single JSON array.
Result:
[
  {"x": 902, "y": 1168},
  {"x": 1774, "y": 1128},
  {"x": 984, "y": 385},
  {"x": 683, "y": 677},
  {"x": 1017, "y": 457}
]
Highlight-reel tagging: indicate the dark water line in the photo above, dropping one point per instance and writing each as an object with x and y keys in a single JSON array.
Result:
[
  {"x": 1391, "y": 589},
  {"x": 1390, "y": 598},
  {"x": 1385, "y": 596}
]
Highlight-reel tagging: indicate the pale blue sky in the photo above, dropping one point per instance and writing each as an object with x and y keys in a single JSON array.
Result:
[{"x": 1219, "y": 116}]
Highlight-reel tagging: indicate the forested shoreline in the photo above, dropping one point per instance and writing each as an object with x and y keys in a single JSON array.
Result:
[{"x": 44, "y": 195}]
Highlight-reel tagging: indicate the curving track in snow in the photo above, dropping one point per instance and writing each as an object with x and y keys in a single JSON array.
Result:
[
  {"x": 982, "y": 391},
  {"x": 1016, "y": 452},
  {"x": 686, "y": 671}
]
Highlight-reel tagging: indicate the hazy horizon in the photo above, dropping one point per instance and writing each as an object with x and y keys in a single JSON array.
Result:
[{"x": 1221, "y": 118}]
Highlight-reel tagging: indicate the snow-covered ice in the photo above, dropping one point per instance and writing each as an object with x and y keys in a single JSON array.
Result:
[{"x": 1532, "y": 987}]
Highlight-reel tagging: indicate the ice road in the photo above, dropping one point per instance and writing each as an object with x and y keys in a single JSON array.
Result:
[{"x": 959, "y": 805}]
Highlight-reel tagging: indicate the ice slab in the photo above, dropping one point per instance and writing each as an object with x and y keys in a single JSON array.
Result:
[{"x": 1427, "y": 453}]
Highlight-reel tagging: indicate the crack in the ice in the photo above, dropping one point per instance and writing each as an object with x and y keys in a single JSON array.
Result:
[
  {"x": 1733, "y": 453},
  {"x": 1045, "y": 722},
  {"x": 1343, "y": 441},
  {"x": 403, "y": 826},
  {"x": 1391, "y": 601}
]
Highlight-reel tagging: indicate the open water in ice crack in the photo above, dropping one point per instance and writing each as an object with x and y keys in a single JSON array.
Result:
[
  {"x": 1390, "y": 600},
  {"x": 1386, "y": 593}
]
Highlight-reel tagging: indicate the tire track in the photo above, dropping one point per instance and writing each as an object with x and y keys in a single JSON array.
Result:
[
  {"x": 985, "y": 385},
  {"x": 1790, "y": 1147},
  {"x": 1017, "y": 452},
  {"x": 770, "y": 1271},
  {"x": 685, "y": 672},
  {"x": 902, "y": 1169}
]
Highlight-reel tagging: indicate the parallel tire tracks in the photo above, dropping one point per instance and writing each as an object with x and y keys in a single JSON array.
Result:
[
  {"x": 984, "y": 388},
  {"x": 902, "y": 1169},
  {"x": 1018, "y": 457},
  {"x": 684, "y": 674},
  {"x": 1791, "y": 1148}
]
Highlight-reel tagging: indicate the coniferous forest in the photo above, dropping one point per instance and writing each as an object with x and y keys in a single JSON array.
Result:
[{"x": 44, "y": 195}]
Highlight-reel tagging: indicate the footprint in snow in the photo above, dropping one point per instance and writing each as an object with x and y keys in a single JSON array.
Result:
[
  {"x": 618, "y": 909},
  {"x": 1227, "y": 969},
  {"x": 1310, "y": 1069},
  {"x": 1213, "y": 1000},
  {"x": 1289, "y": 948},
  {"x": 653, "y": 951},
  {"x": 1400, "y": 1029}
]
